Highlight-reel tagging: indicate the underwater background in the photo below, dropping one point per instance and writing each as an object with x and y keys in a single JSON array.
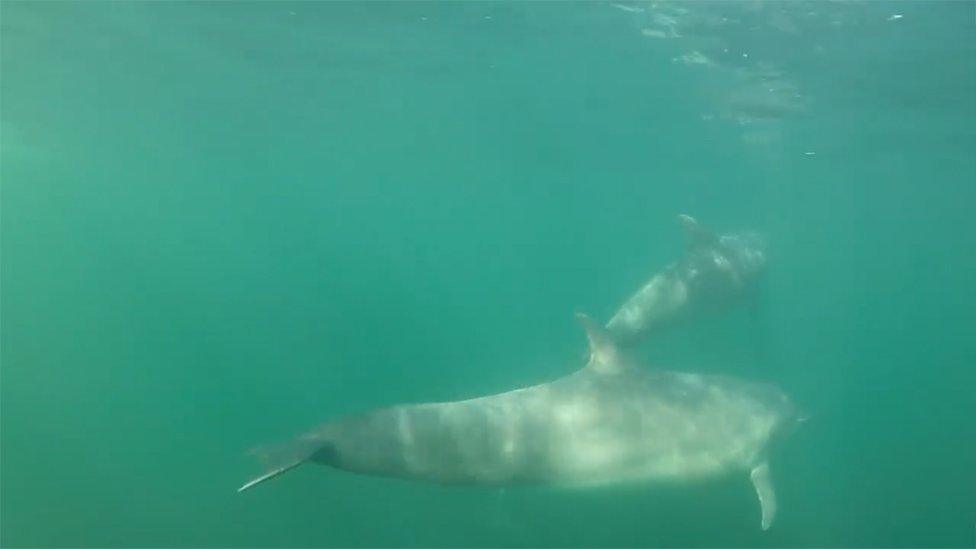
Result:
[{"x": 224, "y": 223}]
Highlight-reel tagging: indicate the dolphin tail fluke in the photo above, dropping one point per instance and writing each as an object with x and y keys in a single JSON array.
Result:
[
  {"x": 763, "y": 482},
  {"x": 281, "y": 458},
  {"x": 269, "y": 475}
]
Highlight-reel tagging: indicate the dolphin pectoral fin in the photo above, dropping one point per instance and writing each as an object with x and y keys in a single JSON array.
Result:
[
  {"x": 603, "y": 351},
  {"x": 696, "y": 235},
  {"x": 763, "y": 482},
  {"x": 269, "y": 475}
]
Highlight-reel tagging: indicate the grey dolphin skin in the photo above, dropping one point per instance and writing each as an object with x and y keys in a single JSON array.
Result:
[
  {"x": 715, "y": 272},
  {"x": 609, "y": 422}
]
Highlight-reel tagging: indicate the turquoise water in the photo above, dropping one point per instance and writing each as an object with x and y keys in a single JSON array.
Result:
[{"x": 223, "y": 223}]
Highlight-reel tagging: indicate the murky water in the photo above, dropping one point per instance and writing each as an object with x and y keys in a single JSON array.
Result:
[{"x": 223, "y": 223}]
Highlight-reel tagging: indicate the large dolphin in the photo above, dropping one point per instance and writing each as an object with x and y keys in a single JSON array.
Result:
[
  {"x": 609, "y": 422},
  {"x": 715, "y": 272}
]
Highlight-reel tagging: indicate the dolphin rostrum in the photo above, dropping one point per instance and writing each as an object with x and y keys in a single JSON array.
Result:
[
  {"x": 715, "y": 272},
  {"x": 611, "y": 421}
]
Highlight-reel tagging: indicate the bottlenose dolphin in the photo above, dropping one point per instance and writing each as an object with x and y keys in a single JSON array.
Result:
[
  {"x": 715, "y": 272},
  {"x": 609, "y": 422}
]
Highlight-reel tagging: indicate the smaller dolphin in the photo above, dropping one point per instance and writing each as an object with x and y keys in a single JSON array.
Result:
[
  {"x": 610, "y": 422},
  {"x": 715, "y": 272}
]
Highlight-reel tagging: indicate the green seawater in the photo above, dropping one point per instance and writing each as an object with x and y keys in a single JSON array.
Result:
[{"x": 224, "y": 223}]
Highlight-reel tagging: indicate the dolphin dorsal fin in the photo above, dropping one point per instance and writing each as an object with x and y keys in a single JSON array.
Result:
[
  {"x": 604, "y": 356},
  {"x": 696, "y": 236}
]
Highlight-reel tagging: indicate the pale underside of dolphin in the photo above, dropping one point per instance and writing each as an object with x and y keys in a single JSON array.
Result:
[
  {"x": 715, "y": 272},
  {"x": 609, "y": 422}
]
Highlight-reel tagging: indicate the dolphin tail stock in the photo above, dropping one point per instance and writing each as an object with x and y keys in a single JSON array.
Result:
[{"x": 762, "y": 481}]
